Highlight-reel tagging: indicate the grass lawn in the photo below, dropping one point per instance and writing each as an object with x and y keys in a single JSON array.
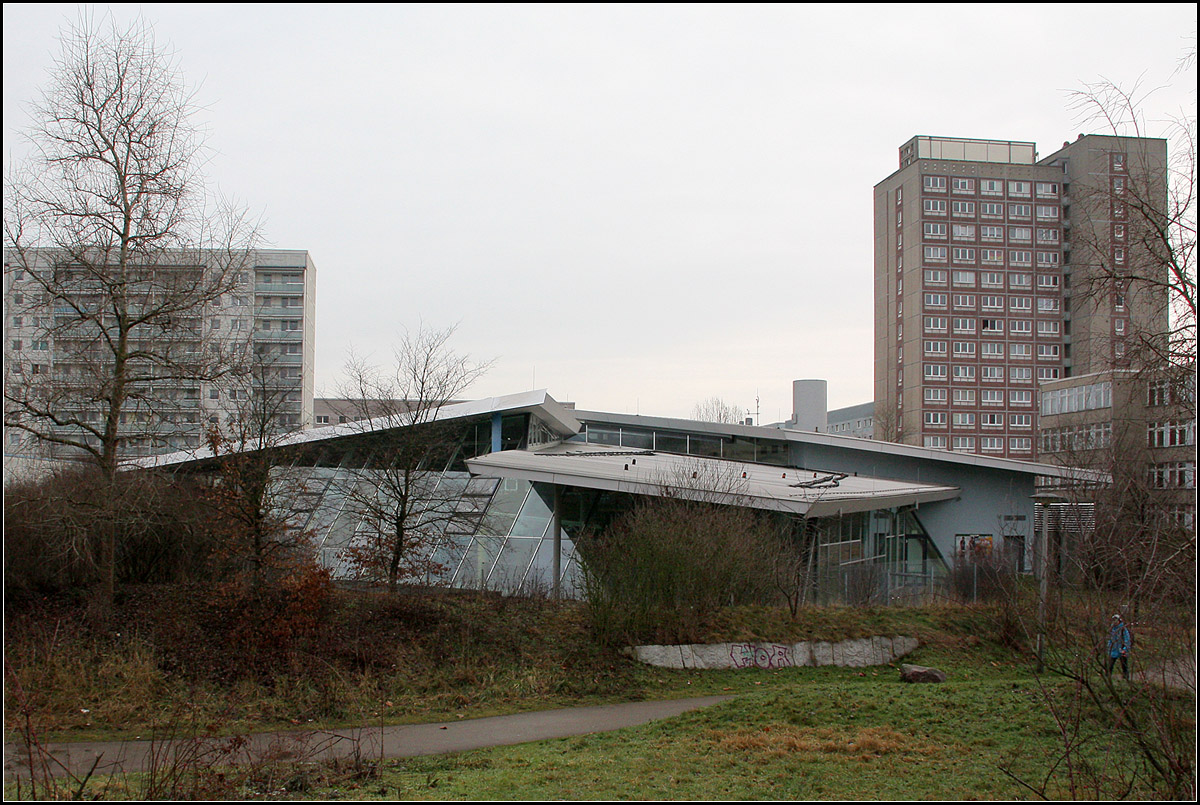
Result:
[
  {"x": 828, "y": 734},
  {"x": 801, "y": 733}
]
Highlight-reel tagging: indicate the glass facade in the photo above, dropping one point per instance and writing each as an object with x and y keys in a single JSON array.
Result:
[
  {"x": 737, "y": 448},
  {"x": 498, "y": 533}
]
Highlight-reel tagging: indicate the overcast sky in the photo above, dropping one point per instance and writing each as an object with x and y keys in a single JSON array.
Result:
[{"x": 636, "y": 207}]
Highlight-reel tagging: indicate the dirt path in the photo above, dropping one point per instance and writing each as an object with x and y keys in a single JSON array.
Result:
[{"x": 1179, "y": 673}]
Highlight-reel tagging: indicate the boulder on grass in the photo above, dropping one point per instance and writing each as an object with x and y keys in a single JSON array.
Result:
[{"x": 919, "y": 673}]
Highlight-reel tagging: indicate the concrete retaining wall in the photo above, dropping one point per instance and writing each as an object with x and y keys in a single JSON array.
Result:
[{"x": 855, "y": 653}]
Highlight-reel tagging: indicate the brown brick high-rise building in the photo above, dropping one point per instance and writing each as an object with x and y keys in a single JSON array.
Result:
[{"x": 993, "y": 274}]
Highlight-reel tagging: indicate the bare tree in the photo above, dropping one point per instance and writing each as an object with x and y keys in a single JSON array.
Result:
[
  {"x": 112, "y": 252},
  {"x": 888, "y": 424},
  {"x": 714, "y": 409},
  {"x": 252, "y": 498},
  {"x": 400, "y": 492},
  {"x": 1135, "y": 554},
  {"x": 112, "y": 248},
  {"x": 1139, "y": 246}
]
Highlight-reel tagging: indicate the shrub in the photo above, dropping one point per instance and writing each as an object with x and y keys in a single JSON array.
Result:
[
  {"x": 53, "y": 530},
  {"x": 663, "y": 567}
]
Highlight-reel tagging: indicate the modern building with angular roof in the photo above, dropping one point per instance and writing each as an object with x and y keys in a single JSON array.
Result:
[{"x": 525, "y": 476}]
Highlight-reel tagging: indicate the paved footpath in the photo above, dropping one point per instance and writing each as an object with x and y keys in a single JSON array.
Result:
[{"x": 406, "y": 740}]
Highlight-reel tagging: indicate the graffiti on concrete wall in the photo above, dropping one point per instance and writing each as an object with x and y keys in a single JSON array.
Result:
[{"x": 748, "y": 655}]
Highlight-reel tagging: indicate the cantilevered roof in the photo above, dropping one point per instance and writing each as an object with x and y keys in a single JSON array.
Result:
[
  {"x": 849, "y": 443},
  {"x": 548, "y": 410},
  {"x": 812, "y": 493}
]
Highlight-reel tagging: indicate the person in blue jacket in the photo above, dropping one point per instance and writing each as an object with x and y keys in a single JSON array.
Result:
[{"x": 1119, "y": 644}]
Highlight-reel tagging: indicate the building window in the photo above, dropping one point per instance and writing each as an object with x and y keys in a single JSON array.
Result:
[
  {"x": 1020, "y": 281},
  {"x": 991, "y": 233},
  {"x": 992, "y": 374},
  {"x": 1020, "y": 327},
  {"x": 1159, "y": 393},
  {"x": 1046, "y": 305},
  {"x": 991, "y": 209},
  {"x": 991, "y": 326},
  {"x": 1046, "y": 373},
  {"x": 965, "y": 278},
  {"x": 962, "y": 255},
  {"x": 935, "y": 276},
  {"x": 1020, "y": 210},
  {"x": 935, "y": 371},
  {"x": 964, "y": 301},
  {"x": 1020, "y": 374},
  {"x": 1048, "y": 351},
  {"x": 992, "y": 302},
  {"x": 962, "y": 419},
  {"x": 991, "y": 187},
  {"x": 963, "y": 231},
  {"x": 1020, "y": 420},
  {"x": 1021, "y": 258},
  {"x": 935, "y": 254},
  {"x": 992, "y": 397},
  {"x": 935, "y": 395},
  {"x": 935, "y": 419},
  {"x": 1018, "y": 188},
  {"x": 1174, "y": 475},
  {"x": 964, "y": 325},
  {"x": 938, "y": 442},
  {"x": 935, "y": 206},
  {"x": 1020, "y": 350},
  {"x": 991, "y": 349},
  {"x": 992, "y": 255},
  {"x": 1170, "y": 434},
  {"x": 935, "y": 347},
  {"x": 964, "y": 443},
  {"x": 964, "y": 396},
  {"x": 936, "y": 184},
  {"x": 1047, "y": 235},
  {"x": 964, "y": 373},
  {"x": 964, "y": 349},
  {"x": 1020, "y": 444},
  {"x": 935, "y": 324},
  {"x": 1020, "y": 303},
  {"x": 963, "y": 208},
  {"x": 1048, "y": 328},
  {"x": 959, "y": 185},
  {"x": 1046, "y": 189},
  {"x": 1048, "y": 281},
  {"x": 935, "y": 300},
  {"x": 992, "y": 444},
  {"x": 992, "y": 420},
  {"x": 935, "y": 231}
]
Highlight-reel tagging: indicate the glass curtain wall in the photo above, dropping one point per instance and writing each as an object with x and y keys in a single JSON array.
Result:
[{"x": 877, "y": 557}]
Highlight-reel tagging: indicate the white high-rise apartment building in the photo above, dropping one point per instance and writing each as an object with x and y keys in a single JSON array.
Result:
[
  {"x": 985, "y": 258},
  {"x": 268, "y": 313}
]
